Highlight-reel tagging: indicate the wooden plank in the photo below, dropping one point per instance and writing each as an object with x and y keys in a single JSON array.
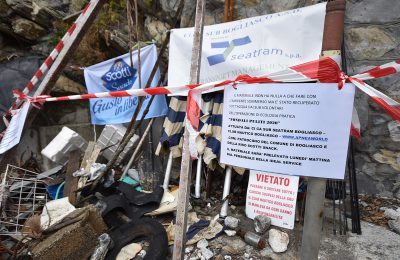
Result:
[
  {"x": 314, "y": 210},
  {"x": 186, "y": 164},
  {"x": 71, "y": 182},
  {"x": 90, "y": 157}
]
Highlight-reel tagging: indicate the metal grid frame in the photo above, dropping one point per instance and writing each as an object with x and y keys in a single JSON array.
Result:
[{"x": 21, "y": 194}]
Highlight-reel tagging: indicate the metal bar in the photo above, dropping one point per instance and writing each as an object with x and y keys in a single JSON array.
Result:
[
  {"x": 135, "y": 153},
  {"x": 168, "y": 172},
  {"x": 334, "y": 206},
  {"x": 227, "y": 187},
  {"x": 332, "y": 40},
  {"x": 186, "y": 165},
  {"x": 197, "y": 188}
]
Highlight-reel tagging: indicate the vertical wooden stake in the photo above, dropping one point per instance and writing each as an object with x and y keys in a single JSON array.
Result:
[
  {"x": 331, "y": 45},
  {"x": 186, "y": 165}
]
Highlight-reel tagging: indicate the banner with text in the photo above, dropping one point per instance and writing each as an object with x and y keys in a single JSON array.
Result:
[
  {"x": 116, "y": 74},
  {"x": 300, "y": 129},
  {"x": 13, "y": 133},
  {"x": 272, "y": 195},
  {"x": 253, "y": 46}
]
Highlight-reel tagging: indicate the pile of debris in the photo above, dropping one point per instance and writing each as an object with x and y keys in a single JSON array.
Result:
[
  {"x": 381, "y": 211},
  {"x": 61, "y": 214}
]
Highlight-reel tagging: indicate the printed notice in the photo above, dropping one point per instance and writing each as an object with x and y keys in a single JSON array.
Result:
[
  {"x": 272, "y": 195},
  {"x": 14, "y": 130},
  {"x": 288, "y": 128}
]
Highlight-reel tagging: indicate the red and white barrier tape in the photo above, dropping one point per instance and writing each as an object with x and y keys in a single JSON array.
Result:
[{"x": 324, "y": 70}]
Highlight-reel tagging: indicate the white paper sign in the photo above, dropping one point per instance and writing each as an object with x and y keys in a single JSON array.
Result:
[
  {"x": 272, "y": 195},
  {"x": 13, "y": 133},
  {"x": 253, "y": 46},
  {"x": 300, "y": 129}
]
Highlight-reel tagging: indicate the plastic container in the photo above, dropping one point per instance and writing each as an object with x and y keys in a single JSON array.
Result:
[
  {"x": 66, "y": 141},
  {"x": 110, "y": 137}
]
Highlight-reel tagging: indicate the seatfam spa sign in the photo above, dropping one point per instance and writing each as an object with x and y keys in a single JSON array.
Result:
[
  {"x": 296, "y": 129},
  {"x": 253, "y": 46}
]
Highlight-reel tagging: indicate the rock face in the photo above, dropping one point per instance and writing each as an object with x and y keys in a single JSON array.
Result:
[
  {"x": 27, "y": 28},
  {"x": 278, "y": 240}
]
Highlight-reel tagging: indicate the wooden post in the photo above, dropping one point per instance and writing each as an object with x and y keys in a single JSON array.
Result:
[
  {"x": 331, "y": 45},
  {"x": 71, "y": 182},
  {"x": 186, "y": 165}
]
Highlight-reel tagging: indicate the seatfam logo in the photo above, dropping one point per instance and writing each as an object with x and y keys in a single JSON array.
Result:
[
  {"x": 119, "y": 77},
  {"x": 228, "y": 46}
]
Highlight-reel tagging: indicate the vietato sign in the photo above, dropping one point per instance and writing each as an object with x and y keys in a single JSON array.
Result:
[{"x": 272, "y": 195}]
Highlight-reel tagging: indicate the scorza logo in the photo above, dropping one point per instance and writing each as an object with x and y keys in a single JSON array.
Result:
[
  {"x": 228, "y": 46},
  {"x": 119, "y": 77}
]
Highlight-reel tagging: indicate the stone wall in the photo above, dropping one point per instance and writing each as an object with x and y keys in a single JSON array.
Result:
[{"x": 372, "y": 37}]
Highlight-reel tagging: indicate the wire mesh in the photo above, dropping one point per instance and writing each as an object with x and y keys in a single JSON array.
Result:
[{"x": 22, "y": 195}]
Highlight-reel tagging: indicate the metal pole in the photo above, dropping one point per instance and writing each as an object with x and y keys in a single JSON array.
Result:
[
  {"x": 197, "y": 190},
  {"x": 331, "y": 45},
  {"x": 168, "y": 172},
  {"x": 227, "y": 187},
  {"x": 138, "y": 147},
  {"x": 186, "y": 164}
]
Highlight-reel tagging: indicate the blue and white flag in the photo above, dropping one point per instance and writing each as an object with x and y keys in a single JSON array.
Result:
[{"x": 115, "y": 75}]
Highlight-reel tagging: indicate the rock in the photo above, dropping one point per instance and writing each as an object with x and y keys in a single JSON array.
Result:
[
  {"x": 281, "y": 5},
  {"x": 202, "y": 244},
  {"x": 391, "y": 214},
  {"x": 40, "y": 11},
  {"x": 278, "y": 240},
  {"x": 219, "y": 257},
  {"x": 206, "y": 253},
  {"x": 188, "y": 249},
  {"x": 228, "y": 257},
  {"x": 67, "y": 86},
  {"x": 156, "y": 29},
  {"x": 261, "y": 223},
  {"x": 266, "y": 252},
  {"x": 388, "y": 157},
  {"x": 188, "y": 13},
  {"x": 77, "y": 5},
  {"x": 231, "y": 222},
  {"x": 394, "y": 130},
  {"x": 395, "y": 225},
  {"x": 368, "y": 42},
  {"x": 129, "y": 251},
  {"x": 229, "y": 250},
  {"x": 373, "y": 11},
  {"x": 5, "y": 9},
  {"x": 142, "y": 253},
  {"x": 27, "y": 28},
  {"x": 230, "y": 233}
]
